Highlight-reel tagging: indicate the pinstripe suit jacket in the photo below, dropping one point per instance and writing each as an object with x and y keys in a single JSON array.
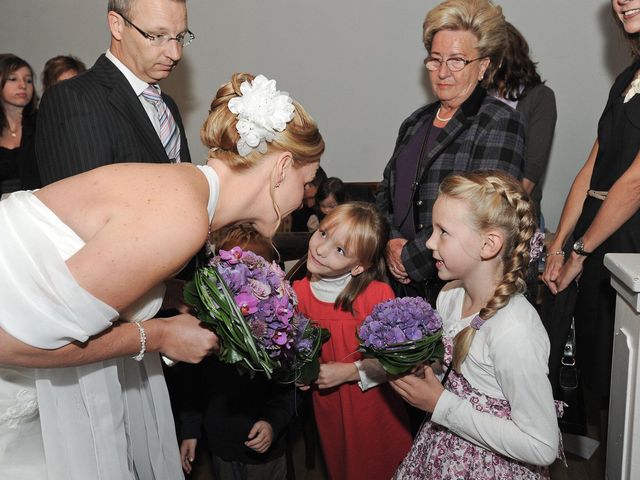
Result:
[
  {"x": 484, "y": 134},
  {"x": 96, "y": 119}
]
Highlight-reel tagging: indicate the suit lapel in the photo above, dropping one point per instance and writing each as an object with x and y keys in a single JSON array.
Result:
[{"x": 124, "y": 100}]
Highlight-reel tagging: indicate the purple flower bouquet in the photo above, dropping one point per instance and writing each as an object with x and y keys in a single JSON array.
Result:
[
  {"x": 251, "y": 307},
  {"x": 402, "y": 333}
]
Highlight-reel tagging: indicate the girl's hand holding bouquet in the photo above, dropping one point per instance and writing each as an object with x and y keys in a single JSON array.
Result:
[{"x": 402, "y": 333}]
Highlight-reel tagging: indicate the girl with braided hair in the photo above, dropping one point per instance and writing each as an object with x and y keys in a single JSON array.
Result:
[{"x": 495, "y": 416}]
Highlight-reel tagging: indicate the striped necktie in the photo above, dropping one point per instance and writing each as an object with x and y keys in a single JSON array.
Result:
[{"x": 169, "y": 133}]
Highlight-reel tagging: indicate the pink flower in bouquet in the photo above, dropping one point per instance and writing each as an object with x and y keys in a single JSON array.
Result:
[
  {"x": 247, "y": 303},
  {"x": 232, "y": 256}
]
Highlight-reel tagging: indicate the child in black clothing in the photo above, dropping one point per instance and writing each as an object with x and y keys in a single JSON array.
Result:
[{"x": 244, "y": 419}]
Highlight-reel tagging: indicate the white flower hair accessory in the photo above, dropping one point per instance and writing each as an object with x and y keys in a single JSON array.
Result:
[{"x": 261, "y": 112}]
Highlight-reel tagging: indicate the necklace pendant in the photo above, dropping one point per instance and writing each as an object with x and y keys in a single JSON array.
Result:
[{"x": 13, "y": 134}]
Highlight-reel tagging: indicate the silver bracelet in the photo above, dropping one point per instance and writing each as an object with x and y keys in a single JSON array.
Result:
[
  {"x": 559, "y": 252},
  {"x": 143, "y": 343}
]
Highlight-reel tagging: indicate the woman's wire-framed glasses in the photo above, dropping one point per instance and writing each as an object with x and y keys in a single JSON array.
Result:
[{"x": 454, "y": 64}]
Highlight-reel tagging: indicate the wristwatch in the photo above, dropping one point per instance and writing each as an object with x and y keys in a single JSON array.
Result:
[{"x": 578, "y": 247}]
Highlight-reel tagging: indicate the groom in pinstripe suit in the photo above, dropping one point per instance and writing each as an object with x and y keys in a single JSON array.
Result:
[{"x": 102, "y": 117}]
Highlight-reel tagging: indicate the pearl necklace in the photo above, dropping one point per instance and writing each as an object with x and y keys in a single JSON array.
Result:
[{"x": 443, "y": 119}]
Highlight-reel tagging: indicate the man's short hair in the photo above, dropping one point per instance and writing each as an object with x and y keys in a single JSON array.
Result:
[{"x": 123, "y": 7}]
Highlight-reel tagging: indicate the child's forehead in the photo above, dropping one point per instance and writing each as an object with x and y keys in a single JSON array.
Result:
[
  {"x": 451, "y": 209},
  {"x": 338, "y": 225},
  {"x": 447, "y": 204}
]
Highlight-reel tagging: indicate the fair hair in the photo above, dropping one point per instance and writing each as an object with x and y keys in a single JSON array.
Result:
[
  {"x": 482, "y": 18},
  {"x": 495, "y": 201},
  {"x": 301, "y": 137},
  {"x": 123, "y": 7},
  {"x": 368, "y": 233}
]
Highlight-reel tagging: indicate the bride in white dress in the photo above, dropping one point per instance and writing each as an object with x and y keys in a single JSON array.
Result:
[{"x": 84, "y": 261}]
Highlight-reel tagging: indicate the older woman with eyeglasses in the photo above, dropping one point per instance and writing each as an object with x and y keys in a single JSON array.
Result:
[{"x": 465, "y": 129}]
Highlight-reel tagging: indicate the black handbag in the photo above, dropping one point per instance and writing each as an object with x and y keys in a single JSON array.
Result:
[
  {"x": 574, "y": 419},
  {"x": 564, "y": 374}
]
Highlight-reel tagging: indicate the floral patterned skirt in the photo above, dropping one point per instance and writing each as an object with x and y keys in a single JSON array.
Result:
[{"x": 439, "y": 454}]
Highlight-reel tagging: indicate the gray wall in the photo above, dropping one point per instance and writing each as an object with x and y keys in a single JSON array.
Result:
[{"x": 356, "y": 65}]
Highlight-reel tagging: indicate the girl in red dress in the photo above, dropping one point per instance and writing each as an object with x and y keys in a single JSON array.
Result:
[{"x": 364, "y": 431}]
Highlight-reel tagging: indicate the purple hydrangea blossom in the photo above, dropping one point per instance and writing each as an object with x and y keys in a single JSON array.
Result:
[
  {"x": 266, "y": 300},
  {"x": 301, "y": 344},
  {"x": 399, "y": 320}
]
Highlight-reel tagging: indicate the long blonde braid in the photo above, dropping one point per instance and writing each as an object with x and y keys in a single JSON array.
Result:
[{"x": 495, "y": 200}]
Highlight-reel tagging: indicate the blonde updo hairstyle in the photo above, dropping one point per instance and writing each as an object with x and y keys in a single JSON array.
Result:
[
  {"x": 495, "y": 201},
  {"x": 480, "y": 17},
  {"x": 301, "y": 137}
]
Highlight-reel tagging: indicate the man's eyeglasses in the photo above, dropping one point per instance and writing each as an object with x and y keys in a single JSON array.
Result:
[
  {"x": 454, "y": 64},
  {"x": 183, "y": 39}
]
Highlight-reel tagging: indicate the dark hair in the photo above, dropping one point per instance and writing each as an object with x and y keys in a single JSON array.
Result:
[
  {"x": 368, "y": 234},
  {"x": 320, "y": 177},
  {"x": 9, "y": 63},
  {"x": 332, "y": 186},
  {"x": 58, "y": 65},
  {"x": 517, "y": 73}
]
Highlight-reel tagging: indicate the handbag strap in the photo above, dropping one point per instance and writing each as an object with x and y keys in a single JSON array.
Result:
[{"x": 569, "y": 355}]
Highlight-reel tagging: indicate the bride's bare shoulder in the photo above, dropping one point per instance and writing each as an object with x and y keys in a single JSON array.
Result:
[
  {"x": 179, "y": 192},
  {"x": 142, "y": 195},
  {"x": 163, "y": 180},
  {"x": 138, "y": 221},
  {"x": 135, "y": 183}
]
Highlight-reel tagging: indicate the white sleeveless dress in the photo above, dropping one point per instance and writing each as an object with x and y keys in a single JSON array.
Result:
[{"x": 106, "y": 420}]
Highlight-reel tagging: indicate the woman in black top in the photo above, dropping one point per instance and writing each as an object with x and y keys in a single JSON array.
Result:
[
  {"x": 601, "y": 211},
  {"x": 18, "y": 169}
]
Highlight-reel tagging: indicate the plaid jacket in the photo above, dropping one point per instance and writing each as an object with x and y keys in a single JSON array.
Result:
[{"x": 484, "y": 134}]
